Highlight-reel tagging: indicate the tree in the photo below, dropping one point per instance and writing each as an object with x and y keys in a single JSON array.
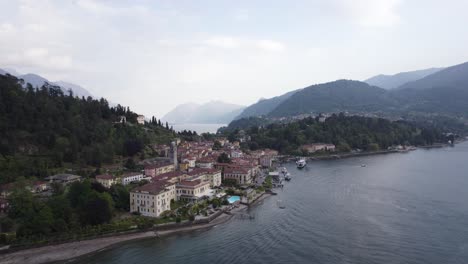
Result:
[
  {"x": 121, "y": 197},
  {"x": 98, "y": 209},
  {"x": 130, "y": 164},
  {"x": 217, "y": 145},
  {"x": 224, "y": 158},
  {"x": 216, "y": 203},
  {"x": 373, "y": 147},
  {"x": 78, "y": 194},
  {"x": 6, "y": 224}
]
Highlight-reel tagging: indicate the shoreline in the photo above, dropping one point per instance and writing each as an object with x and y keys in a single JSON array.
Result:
[
  {"x": 72, "y": 251},
  {"x": 289, "y": 158}
]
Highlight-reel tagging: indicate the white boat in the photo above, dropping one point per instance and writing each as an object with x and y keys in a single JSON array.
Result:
[
  {"x": 301, "y": 163},
  {"x": 280, "y": 204}
]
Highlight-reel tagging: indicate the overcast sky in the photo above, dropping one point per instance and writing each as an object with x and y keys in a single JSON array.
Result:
[{"x": 153, "y": 55}]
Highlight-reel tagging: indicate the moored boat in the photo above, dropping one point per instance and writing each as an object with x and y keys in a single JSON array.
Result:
[{"x": 301, "y": 163}]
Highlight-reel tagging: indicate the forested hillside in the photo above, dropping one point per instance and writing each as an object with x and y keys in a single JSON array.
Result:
[
  {"x": 341, "y": 95},
  {"x": 346, "y": 132},
  {"x": 42, "y": 130}
]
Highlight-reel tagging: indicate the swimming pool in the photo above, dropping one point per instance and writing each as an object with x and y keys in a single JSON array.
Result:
[{"x": 233, "y": 199}]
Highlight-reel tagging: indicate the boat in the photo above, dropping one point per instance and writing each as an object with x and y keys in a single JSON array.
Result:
[
  {"x": 363, "y": 165},
  {"x": 287, "y": 177},
  {"x": 284, "y": 170},
  {"x": 280, "y": 204},
  {"x": 301, "y": 163}
]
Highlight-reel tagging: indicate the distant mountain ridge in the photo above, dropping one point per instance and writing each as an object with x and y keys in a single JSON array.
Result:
[
  {"x": 264, "y": 106},
  {"x": 431, "y": 91},
  {"x": 214, "y": 112},
  {"x": 38, "y": 81},
  {"x": 453, "y": 77},
  {"x": 394, "y": 81},
  {"x": 340, "y": 95}
]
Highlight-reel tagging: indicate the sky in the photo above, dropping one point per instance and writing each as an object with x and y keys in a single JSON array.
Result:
[{"x": 154, "y": 55}]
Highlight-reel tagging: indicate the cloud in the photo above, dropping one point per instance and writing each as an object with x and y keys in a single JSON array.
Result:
[
  {"x": 229, "y": 42},
  {"x": 6, "y": 28},
  {"x": 36, "y": 53},
  {"x": 100, "y": 8},
  {"x": 224, "y": 42},
  {"x": 372, "y": 13},
  {"x": 270, "y": 45}
]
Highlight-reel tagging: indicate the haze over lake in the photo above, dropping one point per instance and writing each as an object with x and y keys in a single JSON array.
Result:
[
  {"x": 199, "y": 128},
  {"x": 400, "y": 208}
]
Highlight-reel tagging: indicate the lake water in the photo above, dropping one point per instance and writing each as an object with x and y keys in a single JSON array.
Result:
[
  {"x": 200, "y": 128},
  {"x": 400, "y": 208}
]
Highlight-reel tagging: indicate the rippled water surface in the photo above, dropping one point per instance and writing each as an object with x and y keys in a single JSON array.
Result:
[{"x": 400, "y": 208}]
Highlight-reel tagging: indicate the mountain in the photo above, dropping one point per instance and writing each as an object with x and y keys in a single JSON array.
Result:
[
  {"x": 77, "y": 90},
  {"x": 451, "y": 77},
  {"x": 214, "y": 112},
  {"x": 396, "y": 80},
  {"x": 434, "y": 91},
  {"x": 341, "y": 95},
  {"x": 264, "y": 106},
  {"x": 35, "y": 80},
  {"x": 9, "y": 71},
  {"x": 444, "y": 92},
  {"x": 181, "y": 113},
  {"x": 38, "y": 81}
]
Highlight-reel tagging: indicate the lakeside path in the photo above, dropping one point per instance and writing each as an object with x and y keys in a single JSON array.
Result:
[{"x": 67, "y": 251}]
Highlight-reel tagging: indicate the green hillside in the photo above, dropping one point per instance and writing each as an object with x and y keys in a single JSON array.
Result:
[
  {"x": 341, "y": 95},
  {"x": 44, "y": 130}
]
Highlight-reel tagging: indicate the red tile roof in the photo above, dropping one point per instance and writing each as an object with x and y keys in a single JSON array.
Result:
[
  {"x": 235, "y": 171},
  {"x": 190, "y": 183},
  {"x": 105, "y": 177},
  {"x": 200, "y": 171},
  {"x": 129, "y": 174},
  {"x": 168, "y": 175},
  {"x": 153, "y": 187}
]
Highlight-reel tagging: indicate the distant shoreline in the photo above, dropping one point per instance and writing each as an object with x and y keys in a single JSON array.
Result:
[{"x": 288, "y": 158}]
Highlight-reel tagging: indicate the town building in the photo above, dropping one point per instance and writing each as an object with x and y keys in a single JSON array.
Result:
[
  {"x": 236, "y": 154},
  {"x": 172, "y": 176},
  {"x": 64, "y": 179},
  {"x": 4, "y": 205},
  {"x": 266, "y": 161},
  {"x": 184, "y": 166},
  {"x": 141, "y": 119},
  {"x": 192, "y": 190},
  {"x": 205, "y": 162},
  {"x": 156, "y": 169},
  {"x": 106, "y": 180},
  {"x": 130, "y": 177},
  {"x": 311, "y": 148},
  {"x": 211, "y": 175},
  {"x": 242, "y": 176},
  {"x": 153, "y": 198},
  {"x": 40, "y": 186},
  {"x": 191, "y": 161}
]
